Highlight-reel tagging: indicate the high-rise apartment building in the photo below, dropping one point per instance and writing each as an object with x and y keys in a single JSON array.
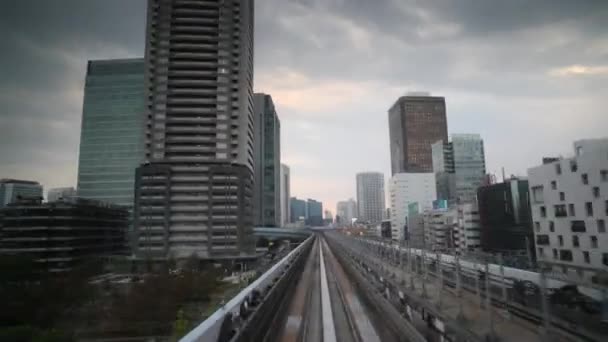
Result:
[
  {"x": 416, "y": 121},
  {"x": 267, "y": 160},
  {"x": 60, "y": 194},
  {"x": 370, "y": 196},
  {"x": 194, "y": 194},
  {"x": 285, "y": 195},
  {"x": 459, "y": 166},
  {"x": 112, "y": 132},
  {"x": 405, "y": 189},
  {"x": 569, "y": 199},
  {"x": 346, "y": 211},
  {"x": 12, "y": 190}
]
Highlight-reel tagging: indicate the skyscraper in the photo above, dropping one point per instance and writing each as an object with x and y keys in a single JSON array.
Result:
[
  {"x": 459, "y": 166},
  {"x": 267, "y": 160},
  {"x": 194, "y": 194},
  {"x": 416, "y": 121},
  {"x": 112, "y": 132},
  {"x": 346, "y": 211},
  {"x": 370, "y": 196},
  {"x": 285, "y": 195}
]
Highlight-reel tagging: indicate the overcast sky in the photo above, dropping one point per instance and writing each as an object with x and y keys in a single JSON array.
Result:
[{"x": 529, "y": 76}]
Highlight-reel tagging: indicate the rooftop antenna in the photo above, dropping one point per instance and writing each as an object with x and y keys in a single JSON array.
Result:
[{"x": 503, "y": 174}]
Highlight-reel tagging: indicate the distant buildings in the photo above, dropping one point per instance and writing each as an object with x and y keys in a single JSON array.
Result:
[
  {"x": 314, "y": 213},
  {"x": 112, "y": 133},
  {"x": 59, "y": 235},
  {"x": 505, "y": 218},
  {"x": 569, "y": 199},
  {"x": 370, "y": 196},
  {"x": 459, "y": 167},
  {"x": 416, "y": 121},
  {"x": 297, "y": 208},
  {"x": 406, "y": 189},
  {"x": 439, "y": 226},
  {"x": 346, "y": 211},
  {"x": 285, "y": 185},
  {"x": 267, "y": 162},
  {"x": 12, "y": 190},
  {"x": 58, "y": 194},
  {"x": 196, "y": 188}
]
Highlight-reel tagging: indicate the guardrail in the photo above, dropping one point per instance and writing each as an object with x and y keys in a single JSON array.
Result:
[{"x": 217, "y": 327}]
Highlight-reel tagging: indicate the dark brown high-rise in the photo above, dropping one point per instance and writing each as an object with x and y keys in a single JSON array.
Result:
[{"x": 415, "y": 122}]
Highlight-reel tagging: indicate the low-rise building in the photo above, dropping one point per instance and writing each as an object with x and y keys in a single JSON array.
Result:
[
  {"x": 12, "y": 190},
  {"x": 59, "y": 235},
  {"x": 569, "y": 199},
  {"x": 406, "y": 189},
  {"x": 439, "y": 227},
  {"x": 59, "y": 194},
  {"x": 467, "y": 230}
]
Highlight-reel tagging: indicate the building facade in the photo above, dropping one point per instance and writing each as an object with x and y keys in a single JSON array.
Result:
[
  {"x": 297, "y": 208},
  {"x": 415, "y": 122},
  {"x": 314, "y": 212},
  {"x": 505, "y": 218},
  {"x": 60, "y": 235},
  {"x": 406, "y": 189},
  {"x": 370, "y": 197},
  {"x": 60, "y": 194},
  {"x": 200, "y": 129},
  {"x": 569, "y": 199},
  {"x": 11, "y": 190},
  {"x": 112, "y": 130},
  {"x": 467, "y": 232},
  {"x": 285, "y": 195},
  {"x": 439, "y": 227},
  {"x": 346, "y": 211},
  {"x": 459, "y": 167},
  {"x": 267, "y": 160}
]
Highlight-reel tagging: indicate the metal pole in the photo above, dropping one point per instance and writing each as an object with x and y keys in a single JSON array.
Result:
[
  {"x": 545, "y": 305},
  {"x": 410, "y": 264},
  {"x": 491, "y": 332},
  {"x": 439, "y": 276},
  {"x": 502, "y": 279},
  {"x": 424, "y": 274},
  {"x": 460, "y": 316}
]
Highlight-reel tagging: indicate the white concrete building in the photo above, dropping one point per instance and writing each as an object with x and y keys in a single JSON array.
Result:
[
  {"x": 569, "y": 200},
  {"x": 406, "y": 189},
  {"x": 346, "y": 211},
  {"x": 370, "y": 196},
  {"x": 285, "y": 194},
  {"x": 57, "y": 194},
  {"x": 439, "y": 225},
  {"x": 467, "y": 230}
]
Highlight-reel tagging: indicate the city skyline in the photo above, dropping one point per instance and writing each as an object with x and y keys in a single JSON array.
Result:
[{"x": 526, "y": 75}]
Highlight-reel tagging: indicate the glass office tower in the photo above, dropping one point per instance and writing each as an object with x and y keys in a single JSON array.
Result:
[{"x": 111, "y": 138}]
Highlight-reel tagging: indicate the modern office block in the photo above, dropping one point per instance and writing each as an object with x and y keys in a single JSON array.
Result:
[
  {"x": 285, "y": 195},
  {"x": 370, "y": 196},
  {"x": 314, "y": 212},
  {"x": 12, "y": 190},
  {"x": 505, "y": 218},
  {"x": 200, "y": 131},
  {"x": 58, "y": 236},
  {"x": 416, "y": 121},
  {"x": 60, "y": 194},
  {"x": 569, "y": 199},
  {"x": 111, "y": 136},
  {"x": 267, "y": 160},
  {"x": 346, "y": 211},
  {"x": 297, "y": 210},
  {"x": 405, "y": 189}
]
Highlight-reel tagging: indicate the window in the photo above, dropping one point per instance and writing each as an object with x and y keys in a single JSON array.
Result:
[
  {"x": 558, "y": 168},
  {"x": 551, "y": 226},
  {"x": 575, "y": 242},
  {"x": 540, "y": 251},
  {"x": 605, "y": 259},
  {"x": 585, "y": 178},
  {"x": 537, "y": 194},
  {"x": 553, "y": 185},
  {"x": 606, "y": 207},
  {"x": 560, "y": 210},
  {"x": 565, "y": 255},
  {"x": 596, "y": 191},
  {"x": 578, "y": 226},
  {"x": 589, "y": 208},
  {"x": 542, "y": 239},
  {"x": 571, "y": 210},
  {"x": 601, "y": 226},
  {"x": 554, "y": 253},
  {"x": 562, "y": 196},
  {"x": 593, "y": 241},
  {"x": 537, "y": 226},
  {"x": 604, "y": 175},
  {"x": 586, "y": 257},
  {"x": 573, "y": 166},
  {"x": 543, "y": 211},
  {"x": 560, "y": 239}
]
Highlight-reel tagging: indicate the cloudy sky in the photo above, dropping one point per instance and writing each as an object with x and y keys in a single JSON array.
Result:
[{"x": 529, "y": 76}]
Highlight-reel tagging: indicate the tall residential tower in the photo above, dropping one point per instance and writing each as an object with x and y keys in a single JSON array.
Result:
[
  {"x": 194, "y": 194},
  {"x": 370, "y": 196}
]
